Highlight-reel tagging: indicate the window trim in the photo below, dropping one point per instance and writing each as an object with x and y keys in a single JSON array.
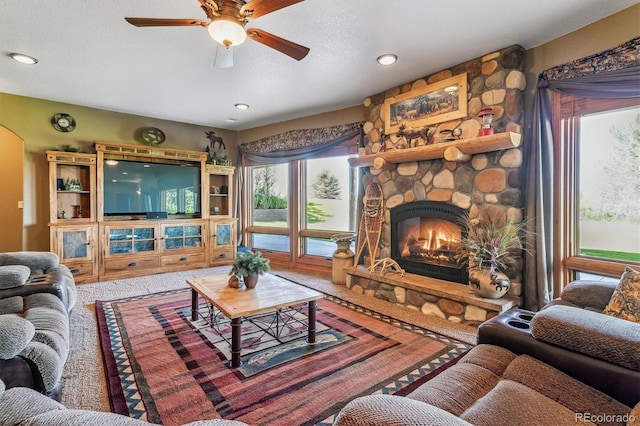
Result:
[{"x": 567, "y": 111}]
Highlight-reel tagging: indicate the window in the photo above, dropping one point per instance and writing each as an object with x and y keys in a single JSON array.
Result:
[
  {"x": 330, "y": 194},
  {"x": 599, "y": 186},
  {"x": 297, "y": 207},
  {"x": 270, "y": 208}
]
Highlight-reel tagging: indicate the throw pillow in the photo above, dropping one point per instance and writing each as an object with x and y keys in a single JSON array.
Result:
[
  {"x": 625, "y": 302},
  {"x": 15, "y": 333},
  {"x": 13, "y": 275}
]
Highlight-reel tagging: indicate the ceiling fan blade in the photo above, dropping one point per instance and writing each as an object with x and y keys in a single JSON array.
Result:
[
  {"x": 224, "y": 57},
  {"x": 287, "y": 47},
  {"x": 160, "y": 22},
  {"x": 257, "y": 8}
]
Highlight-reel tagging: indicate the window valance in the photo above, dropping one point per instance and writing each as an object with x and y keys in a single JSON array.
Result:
[
  {"x": 626, "y": 55},
  {"x": 299, "y": 144}
]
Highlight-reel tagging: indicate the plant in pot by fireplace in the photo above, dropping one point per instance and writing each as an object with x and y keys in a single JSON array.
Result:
[
  {"x": 490, "y": 249},
  {"x": 249, "y": 266}
]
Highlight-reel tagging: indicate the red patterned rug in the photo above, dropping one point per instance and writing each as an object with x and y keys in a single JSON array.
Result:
[{"x": 163, "y": 368}]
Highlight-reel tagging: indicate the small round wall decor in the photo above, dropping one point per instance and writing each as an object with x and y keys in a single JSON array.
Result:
[
  {"x": 63, "y": 122},
  {"x": 152, "y": 136}
]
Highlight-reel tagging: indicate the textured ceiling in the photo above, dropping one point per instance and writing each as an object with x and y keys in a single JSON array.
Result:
[{"x": 88, "y": 55}]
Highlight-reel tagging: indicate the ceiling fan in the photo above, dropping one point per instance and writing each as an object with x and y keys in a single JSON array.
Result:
[{"x": 227, "y": 19}]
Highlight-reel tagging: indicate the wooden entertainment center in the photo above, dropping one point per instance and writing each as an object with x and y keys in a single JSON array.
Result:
[{"x": 97, "y": 246}]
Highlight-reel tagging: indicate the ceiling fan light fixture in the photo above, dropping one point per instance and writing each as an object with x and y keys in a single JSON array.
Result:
[
  {"x": 227, "y": 31},
  {"x": 23, "y": 59},
  {"x": 387, "y": 59}
]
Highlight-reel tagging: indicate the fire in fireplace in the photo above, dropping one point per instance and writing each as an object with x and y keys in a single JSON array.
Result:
[{"x": 425, "y": 236}]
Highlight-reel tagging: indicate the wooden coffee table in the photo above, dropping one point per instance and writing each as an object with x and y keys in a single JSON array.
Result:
[{"x": 271, "y": 294}]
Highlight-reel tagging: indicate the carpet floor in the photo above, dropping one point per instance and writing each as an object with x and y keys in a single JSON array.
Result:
[{"x": 83, "y": 382}]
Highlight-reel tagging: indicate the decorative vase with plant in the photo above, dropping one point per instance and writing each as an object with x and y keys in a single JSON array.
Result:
[
  {"x": 249, "y": 266},
  {"x": 490, "y": 248}
]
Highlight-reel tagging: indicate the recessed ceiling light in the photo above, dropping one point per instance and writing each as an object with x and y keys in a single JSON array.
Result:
[
  {"x": 23, "y": 59},
  {"x": 242, "y": 106},
  {"x": 387, "y": 59},
  {"x": 231, "y": 120}
]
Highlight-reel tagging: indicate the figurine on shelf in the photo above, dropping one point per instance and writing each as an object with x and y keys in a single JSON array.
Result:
[
  {"x": 486, "y": 117},
  {"x": 63, "y": 214},
  {"x": 72, "y": 185}
]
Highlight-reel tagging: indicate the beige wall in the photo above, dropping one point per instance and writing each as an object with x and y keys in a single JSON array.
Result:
[{"x": 29, "y": 118}]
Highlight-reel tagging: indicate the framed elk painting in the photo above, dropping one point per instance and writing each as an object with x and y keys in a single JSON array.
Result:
[{"x": 435, "y": 103}]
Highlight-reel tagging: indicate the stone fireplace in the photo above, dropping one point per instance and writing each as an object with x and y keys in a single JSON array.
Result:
[
  {"x": 425, "y": 195},
  {"x": 425, "y": 236}
]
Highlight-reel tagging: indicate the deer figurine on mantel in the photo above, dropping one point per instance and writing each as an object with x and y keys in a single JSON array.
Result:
[{"x": 411, "y": 134}]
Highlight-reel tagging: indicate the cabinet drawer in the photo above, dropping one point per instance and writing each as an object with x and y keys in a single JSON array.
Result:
[
  {"x": 82, "y": 270},
  {"x": 222, "y": 254},
  {"x": 139, "y": 263},
  {"x": 193, "y": 259}
]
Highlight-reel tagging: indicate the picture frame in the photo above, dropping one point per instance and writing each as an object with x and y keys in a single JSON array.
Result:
[{"x": 435, "y": 103}]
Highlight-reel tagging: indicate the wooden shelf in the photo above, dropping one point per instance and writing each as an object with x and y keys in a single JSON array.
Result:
[{"x": 460, "y": 150}]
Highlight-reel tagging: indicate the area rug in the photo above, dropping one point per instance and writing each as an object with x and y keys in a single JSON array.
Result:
[{"x": 164, "y": 368}]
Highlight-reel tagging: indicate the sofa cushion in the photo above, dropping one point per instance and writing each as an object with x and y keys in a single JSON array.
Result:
[
  {"x": 15, "y": 334},
  {"x": 391, "y": 410},
  {"x": 588, "y": 294},
  {"x": 515, "y": 404},
  {"x": 48, "y": 361},
  {"x": 13, "y": 275},
  {"x": 591, "y": 333},
  {"x": 11, "y": 305},
  {"x": 18, "y": 404},
  {"x": 37, "y": 261},
  {"x": 625, "y": 302},
  {"x": 554, "y": 384}
]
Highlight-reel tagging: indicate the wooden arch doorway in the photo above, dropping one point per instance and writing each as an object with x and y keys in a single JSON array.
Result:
[{"x": 11, "y": 190}]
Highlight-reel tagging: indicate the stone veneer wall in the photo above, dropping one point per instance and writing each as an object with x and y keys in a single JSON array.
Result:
[{"x": 490, "y": 182}]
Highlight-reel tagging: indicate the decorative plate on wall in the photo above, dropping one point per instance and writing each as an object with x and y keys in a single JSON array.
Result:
[
  {"x": 63, "y": 122},
  {"x": 152, "y": 135}
]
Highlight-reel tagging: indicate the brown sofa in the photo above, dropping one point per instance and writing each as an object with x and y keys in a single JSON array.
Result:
[
  {"x": 567, "y": 364},
  {"x": 572, "y": 335},
  {"x": 491, "y": 386}
]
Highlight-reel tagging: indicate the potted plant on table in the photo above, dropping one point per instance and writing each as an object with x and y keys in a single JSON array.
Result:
[
  {"x": 490, "y": 249},
  {"x": 249, "y": 266}
]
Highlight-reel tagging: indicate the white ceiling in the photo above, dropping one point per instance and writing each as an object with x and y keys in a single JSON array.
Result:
[{"x": 88, "y": 55}]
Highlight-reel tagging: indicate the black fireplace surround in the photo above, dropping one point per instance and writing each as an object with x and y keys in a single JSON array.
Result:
[{"x": 434, "y": 210}]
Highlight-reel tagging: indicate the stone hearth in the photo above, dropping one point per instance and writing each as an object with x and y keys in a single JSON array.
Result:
[{"x": 447, "y": 300}]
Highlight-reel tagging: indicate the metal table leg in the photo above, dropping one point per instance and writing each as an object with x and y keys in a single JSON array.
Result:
[
  {"x": 236, "y": 328},
  {"x": 194, "y": 305},
  {"x": 311, "y": 338}
]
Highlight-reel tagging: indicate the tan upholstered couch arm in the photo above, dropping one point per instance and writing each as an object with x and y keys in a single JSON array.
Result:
[{"x": 390, "y": 410}]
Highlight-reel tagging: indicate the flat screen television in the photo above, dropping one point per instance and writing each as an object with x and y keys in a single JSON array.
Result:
[{"x": 137, "y": 188}]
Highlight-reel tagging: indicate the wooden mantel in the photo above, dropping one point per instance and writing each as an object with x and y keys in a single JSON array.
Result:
[{"x": 460, "y": 150}]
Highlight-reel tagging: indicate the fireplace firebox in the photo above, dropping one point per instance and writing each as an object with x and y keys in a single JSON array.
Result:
[{"x": 425, "y": 236}]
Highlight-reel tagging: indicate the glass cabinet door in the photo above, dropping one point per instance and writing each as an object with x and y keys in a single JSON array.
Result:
[
  {"x": 182, "y": 237},
  {"x": 223, "y": 234},
  {"x": 131, "y": 240},
  {"x": 75, "y": 243}
]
